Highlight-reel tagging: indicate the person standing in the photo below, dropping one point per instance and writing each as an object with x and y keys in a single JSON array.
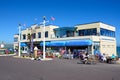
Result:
[
  {"x": 6, "y": 51},
  {"x": 69, "y": 51},
  {"x": 35, "y": 52}
]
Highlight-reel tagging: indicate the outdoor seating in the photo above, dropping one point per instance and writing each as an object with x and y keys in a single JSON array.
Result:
[
  {"x": 112, "y": 61},
  {"x": 90, "y": 60}
]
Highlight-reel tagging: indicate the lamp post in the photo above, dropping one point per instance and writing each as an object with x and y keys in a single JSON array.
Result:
[
  {"x": 19, "y": 54},
  {"x": 44, "y": 21}
]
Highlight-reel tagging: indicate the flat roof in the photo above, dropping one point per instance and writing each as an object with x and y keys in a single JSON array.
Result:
[
  {"x": 93, "y": 23},
  {"x": 65, "y": 28}
]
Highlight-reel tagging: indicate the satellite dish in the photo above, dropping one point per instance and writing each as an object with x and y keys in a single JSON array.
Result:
[{"x": 2, "y": 46}]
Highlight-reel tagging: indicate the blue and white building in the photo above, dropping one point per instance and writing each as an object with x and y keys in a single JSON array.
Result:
[{"x": 93, "y": 37}]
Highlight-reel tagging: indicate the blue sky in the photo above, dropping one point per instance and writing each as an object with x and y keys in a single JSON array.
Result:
[{"x": 66, "y": 13}]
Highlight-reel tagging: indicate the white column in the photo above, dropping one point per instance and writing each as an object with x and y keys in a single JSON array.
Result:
[
  {"x": 44, "y": 38},
  {"x": 19, "y": 54}
]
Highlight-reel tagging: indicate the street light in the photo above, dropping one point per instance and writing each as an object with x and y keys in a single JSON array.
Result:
[
  {"x": 19, "y": 54},
  {"x": 44, "y": 22},
  {"x": 44, "y": 19}
]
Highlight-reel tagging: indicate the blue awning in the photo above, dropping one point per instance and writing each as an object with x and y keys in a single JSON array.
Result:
[
  {"x": 57, "y": 43},
  {"x": 68, "y": 43},
  {"x": 78, "y": 43},
  {"x": 46, "y": 44},
  {"x": 23, "y": 44}
]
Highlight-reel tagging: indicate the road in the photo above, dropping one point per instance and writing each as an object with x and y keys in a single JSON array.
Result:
[{"x": 57, "y": 69}]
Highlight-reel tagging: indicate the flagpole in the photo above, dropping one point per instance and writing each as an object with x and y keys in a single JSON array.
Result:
[
  {"x": 44, "y": 37},
  {"x": 19, "y": 54}
]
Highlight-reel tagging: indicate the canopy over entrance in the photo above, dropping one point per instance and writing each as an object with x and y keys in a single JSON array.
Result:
[
  {"x": 58, "y": 43},
  {"x": 68, "y": 43},
  {"x": 23, "y": 44},
  {"x": 79, "y": 43},
  {"x": 46, "y": 43}
]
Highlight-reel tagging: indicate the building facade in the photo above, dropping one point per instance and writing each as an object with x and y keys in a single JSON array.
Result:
[{"x": 94, "y": 38}]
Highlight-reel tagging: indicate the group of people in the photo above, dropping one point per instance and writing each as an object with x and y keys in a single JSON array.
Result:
[
  {"x": 105, "y": 58},
  {"x": 86, "y": 58}
]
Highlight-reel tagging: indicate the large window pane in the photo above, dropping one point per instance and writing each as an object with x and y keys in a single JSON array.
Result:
[
  {"x": 46, "y": 34},
  {"x": 24, "y": 36},
  {"x": 105, "y": 32},
  {"x": 39, "y": 34},
  {"x": 34, "y": 35},
  {"x": 87, "y": 32}
]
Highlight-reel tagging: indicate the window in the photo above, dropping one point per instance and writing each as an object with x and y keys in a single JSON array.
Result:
[
  {"x": 34, "y": 35},
  {"x": 39, "y": 34},
  {"x": 81, "y": 32},
  {"x": 69, "y": 33},
  {"x": 15, "y": 39},
  {"x": 24, "y": 36},
  {"x": 46, "y": 34},
  {"x": 87, "y": 32},
  {"x": 105, "y": 32}
]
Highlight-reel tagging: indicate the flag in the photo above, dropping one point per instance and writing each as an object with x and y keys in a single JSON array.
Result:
[
  {"x": 52, "y": 18},
  {"x": 44, "y": 17},
  {"x": 24, "y": 25}
]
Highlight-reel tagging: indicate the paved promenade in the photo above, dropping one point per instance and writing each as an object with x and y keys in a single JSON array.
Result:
[{"x": 12, "y": 68}]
